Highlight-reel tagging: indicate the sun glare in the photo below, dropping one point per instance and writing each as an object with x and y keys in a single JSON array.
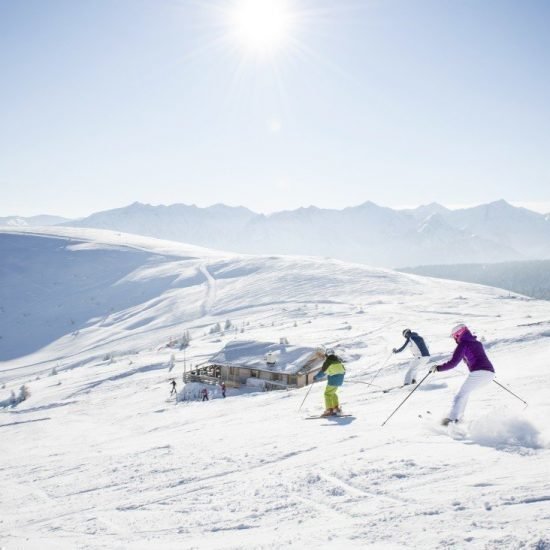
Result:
[{"x": 261, "y": 26}]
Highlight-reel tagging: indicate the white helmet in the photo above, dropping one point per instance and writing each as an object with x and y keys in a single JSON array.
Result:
[
  {"x": 329, "y": 351},
  {"x": 458, "y": 330}
]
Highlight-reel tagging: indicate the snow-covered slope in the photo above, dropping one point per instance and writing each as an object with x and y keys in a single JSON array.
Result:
[
  {"x": 367, "y": 233},
  {"x": 531, "y": 278},
  {"x": 97, "y": 457}
]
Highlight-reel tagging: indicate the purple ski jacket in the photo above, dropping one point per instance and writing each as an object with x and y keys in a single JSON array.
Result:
[{"x": 471, "y": 351}]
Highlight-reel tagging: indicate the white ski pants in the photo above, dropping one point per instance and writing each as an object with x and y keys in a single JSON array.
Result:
[
  {"x": 475, "y": 380},
  {"x": 415, "y": 365}
]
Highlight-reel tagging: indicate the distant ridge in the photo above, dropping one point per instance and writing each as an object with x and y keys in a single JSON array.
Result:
[
  {"x": 367, "y": 233},
  {"x": 32, "y": 221},
  {"x": 531, "y": 278}
]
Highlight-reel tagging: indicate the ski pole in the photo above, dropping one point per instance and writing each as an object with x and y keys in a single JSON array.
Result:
[
  {"x": 381, "y": 367},
  {"x": 310, "y": 387},
  {"x": 511, "y": 392},
  {"x": 416, "y": 387}
]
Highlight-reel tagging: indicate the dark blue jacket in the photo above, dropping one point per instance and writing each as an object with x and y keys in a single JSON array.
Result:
[{"x": 419, "y": 349}]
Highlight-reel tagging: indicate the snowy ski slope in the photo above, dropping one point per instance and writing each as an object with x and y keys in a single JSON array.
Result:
[{"x": 99, "y": 457}]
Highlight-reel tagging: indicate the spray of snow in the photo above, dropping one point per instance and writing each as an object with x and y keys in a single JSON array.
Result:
[{"x": 502, "y": 430}]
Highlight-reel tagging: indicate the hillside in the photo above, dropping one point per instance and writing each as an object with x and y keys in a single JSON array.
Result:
[
  {"x": 98, "y": 457},
  {"x": 531, "y": 278}
]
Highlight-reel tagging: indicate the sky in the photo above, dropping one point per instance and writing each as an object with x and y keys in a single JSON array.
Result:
[{"x": 309, "y": 102}]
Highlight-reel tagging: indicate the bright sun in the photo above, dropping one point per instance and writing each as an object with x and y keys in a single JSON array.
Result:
[{"x": 261, "y": 26}]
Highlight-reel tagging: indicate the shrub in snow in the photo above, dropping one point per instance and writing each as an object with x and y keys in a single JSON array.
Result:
[
  {"x": 14, "y": 400},
  {"x": 227, "y": 325},
  {"x": 11, "y": 401},
  {"x": 24, "y": 393},
  {"x": 185, "y": 339},
  {"x": 53, "y": 372},
  {"x": 215, "y": 329}
]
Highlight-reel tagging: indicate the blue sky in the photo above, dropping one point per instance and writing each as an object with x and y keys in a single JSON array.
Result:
[{"x": 401, "y": 102}]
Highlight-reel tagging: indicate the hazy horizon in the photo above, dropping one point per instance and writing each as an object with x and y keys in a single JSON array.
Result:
[
  {"x": 273, "y": 105},
  {"x": 540, "y": 208}
]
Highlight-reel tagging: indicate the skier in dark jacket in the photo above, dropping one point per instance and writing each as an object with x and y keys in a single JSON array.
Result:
[
  {"x": 420, "y": 352},
  {"x": 334, "y": 368},
  {"x": 174, "y": 390},
  {"x": 482, "y": 373}
]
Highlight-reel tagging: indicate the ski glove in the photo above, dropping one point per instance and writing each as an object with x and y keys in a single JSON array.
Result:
[
  {"x": 319, "y": 375},
  {"x": 433, "y": 368}
]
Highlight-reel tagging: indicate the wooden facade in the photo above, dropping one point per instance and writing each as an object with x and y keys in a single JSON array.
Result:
[{"x": 256, "y": 371}]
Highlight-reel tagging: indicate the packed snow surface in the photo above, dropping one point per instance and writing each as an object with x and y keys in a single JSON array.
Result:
[{"x": 100, "y": 456}]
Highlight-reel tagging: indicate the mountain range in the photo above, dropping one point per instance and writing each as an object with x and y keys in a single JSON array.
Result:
[
  {"x": 32, "y": 221},
  {"x": 368, "y": 233}
]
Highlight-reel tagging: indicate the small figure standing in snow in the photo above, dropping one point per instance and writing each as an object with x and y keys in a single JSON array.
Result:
[
  {"x": 223, "y": 389},
  {"x": 174, "y": 390},
  {"x": 481, "y": 370},
  {"x": 204, "y": 393},
  {"x": 334, "y": 368},
  {"x": 420, "y": 352}
]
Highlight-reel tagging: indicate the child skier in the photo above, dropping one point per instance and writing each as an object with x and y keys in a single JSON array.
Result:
[
  {"x": 481, "y": 369},
  {"x": 335, "y": 370},
  {"x": 420, "y": 352}
]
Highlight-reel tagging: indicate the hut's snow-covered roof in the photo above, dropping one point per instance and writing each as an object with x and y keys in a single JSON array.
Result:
[{"x": 252, "y": 354}]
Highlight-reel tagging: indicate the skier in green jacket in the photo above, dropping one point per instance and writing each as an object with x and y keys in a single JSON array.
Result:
[{"x": 335, "y": 370}]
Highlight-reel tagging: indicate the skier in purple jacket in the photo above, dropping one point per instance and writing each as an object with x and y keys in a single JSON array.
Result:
[{"x": 481, "y": 370}]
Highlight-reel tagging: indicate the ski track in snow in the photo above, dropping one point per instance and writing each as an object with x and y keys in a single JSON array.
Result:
[
  {"x": 211, "y": 287},
  {"x": 97, "y": 457}
]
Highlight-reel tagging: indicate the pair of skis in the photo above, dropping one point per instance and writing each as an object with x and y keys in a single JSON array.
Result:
[{"x": 330, "y": 417}]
